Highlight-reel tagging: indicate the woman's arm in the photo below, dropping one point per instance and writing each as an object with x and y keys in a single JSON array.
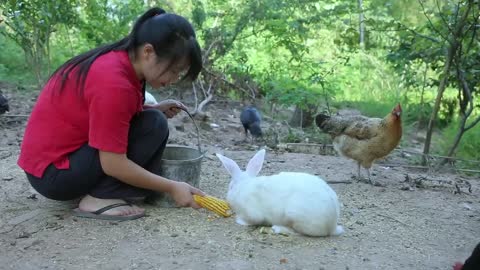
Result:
[
  {"x": 127, "y": 171},
  {"x": 146, "y": 106},
  {"x": 169, "y": 107}
]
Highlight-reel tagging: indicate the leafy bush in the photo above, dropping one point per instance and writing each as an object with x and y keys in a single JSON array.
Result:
[
  {"x": 469, "y": 149},
  {"x": 289, "y": 92},
  {"x": 13, "y": 67}
]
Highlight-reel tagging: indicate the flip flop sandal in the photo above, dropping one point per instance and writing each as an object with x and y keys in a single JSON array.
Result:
[{"x": 99, "y": 213}]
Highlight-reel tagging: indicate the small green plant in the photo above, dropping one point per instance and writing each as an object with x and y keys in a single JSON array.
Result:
[
  {"x": 419, "y": 113},
  {"x": 13, "y": 67},
  {"x": 292, "y": 137},
  {"x": 468, "y": 149},
  {"x": 315, "y": 135},
  {"x": 288, "y": 92}
]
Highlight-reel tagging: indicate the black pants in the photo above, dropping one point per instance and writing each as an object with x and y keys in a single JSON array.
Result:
[{"x": 147, "y": 139}]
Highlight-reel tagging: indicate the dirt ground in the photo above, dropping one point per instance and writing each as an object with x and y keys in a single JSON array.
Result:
[{"x": 396, "y": 225}]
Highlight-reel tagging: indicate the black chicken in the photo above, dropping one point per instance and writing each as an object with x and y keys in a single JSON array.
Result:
[
  {"x": 3, "y": 104},
  {"x": 251, "y": 119}
]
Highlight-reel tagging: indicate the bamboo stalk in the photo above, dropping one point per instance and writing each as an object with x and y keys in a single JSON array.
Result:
[
  {"x": 438, "y": 156},
  {"x": 404, "y": 166},
  {"x": 467, "y": 170},
  {"x": 339, "y": 182},
  {"x": 15, "y": 115},
  {"x": 415, "y": 153},
  {"x": 424, "y": 167}
]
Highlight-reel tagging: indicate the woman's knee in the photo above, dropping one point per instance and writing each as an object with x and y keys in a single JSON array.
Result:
[
  {"x": 54, "y": 192},
  {"x": 148, "y": 121},
  {"x": 156, "y": 118}
]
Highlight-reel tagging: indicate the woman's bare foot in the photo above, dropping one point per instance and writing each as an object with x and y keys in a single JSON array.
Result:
[{"x": 92, "y": 204}]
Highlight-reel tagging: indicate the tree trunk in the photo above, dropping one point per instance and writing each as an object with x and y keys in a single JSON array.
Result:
[
  {"x": 421, "y": 119},
  {"x": 361, "y": 22},
  {"x": 456, "y": 37},
  {"x": 303, "y": 118},
  {"x": 458, "y": 137},
  {"x": 208, "y": 94},
  {"x": 438, "y": 99},
  {"x": 456, "y": 142},
  {"x": 32, "y": 57}
]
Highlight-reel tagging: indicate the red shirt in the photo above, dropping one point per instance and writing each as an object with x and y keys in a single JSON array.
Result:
[{"x": 100, "y": 116}]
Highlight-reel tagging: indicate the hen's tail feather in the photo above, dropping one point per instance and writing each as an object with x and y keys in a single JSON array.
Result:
[{"x": 320, "y": 119}]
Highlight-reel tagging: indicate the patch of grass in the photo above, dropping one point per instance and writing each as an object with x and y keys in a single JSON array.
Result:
[
  {"x": 293, "y": 136},
  {"x": 368, "y": 108},
  {"x": 468, "y": 148},
  {"x": 13, "y": 67},
  {"x": 315, "y": 135}
]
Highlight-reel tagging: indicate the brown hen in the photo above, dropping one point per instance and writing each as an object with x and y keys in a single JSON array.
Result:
[{"x": 361, "y": 138}]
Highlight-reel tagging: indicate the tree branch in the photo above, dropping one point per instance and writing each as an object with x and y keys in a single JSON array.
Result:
[
  {"x": 423, "y": 36},
  {"x": 474, "y": 123},
  {"x": 443, "y": 18},
  {"x": 228, "y": 44},
  {"x": 467, "y": 93},
  {"x": 23, "y": 37},
  {"x": 430, "y": 21},
  {"x": 474, "y": 30},
  {"x": 208, "y": 51},
  {"x": 195, "y": 96},
  {"x": 406, "y": 28},
  {"x": 208, "y": 93},
  {"x": 227, "y": 82},
  {"x": 203, "y": 103}
]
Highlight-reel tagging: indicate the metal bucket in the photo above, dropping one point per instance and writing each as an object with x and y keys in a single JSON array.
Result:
[
  {"x": 182, "y": 163},
  {"x": 179, "y": 163}
]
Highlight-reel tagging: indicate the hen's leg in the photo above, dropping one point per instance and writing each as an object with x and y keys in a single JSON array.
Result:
[
  {"x": 358, "y": 172},
  {"x": 373, "y": 182},
  {"x": 246, "y": 133},
  {"x": 369, "y": 178}
]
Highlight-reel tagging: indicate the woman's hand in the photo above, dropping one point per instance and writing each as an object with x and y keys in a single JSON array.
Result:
[
  {"x": 182, "y": 193},
  {"x": 170, "y": 107}
]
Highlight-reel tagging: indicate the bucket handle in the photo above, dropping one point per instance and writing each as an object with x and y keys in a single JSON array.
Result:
[{"x": 196, "y": 127}]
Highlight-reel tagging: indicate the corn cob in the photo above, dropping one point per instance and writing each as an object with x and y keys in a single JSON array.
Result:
[{"x": 213, "y": 204}]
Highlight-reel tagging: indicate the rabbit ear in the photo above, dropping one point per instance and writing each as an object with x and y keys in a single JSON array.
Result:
[
  {"x": 255, "y": 164},
  {"x": 229, "y": 164}
]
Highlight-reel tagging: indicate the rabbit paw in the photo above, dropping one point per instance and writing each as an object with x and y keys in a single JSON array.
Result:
[
  {"x": 266, "y": 230},
  {"x": 241, "y": 222},
  {"x": 338, "y": 231},
  {"x": 282, "y": 230}
]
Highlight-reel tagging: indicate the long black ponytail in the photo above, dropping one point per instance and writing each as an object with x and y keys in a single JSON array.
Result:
[{"x": 171, "y": 35}]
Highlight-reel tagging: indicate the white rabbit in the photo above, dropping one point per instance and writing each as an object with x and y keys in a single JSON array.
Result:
[
  {"x": 150, "y": 99},
  {"x": 289, "y": 201}
]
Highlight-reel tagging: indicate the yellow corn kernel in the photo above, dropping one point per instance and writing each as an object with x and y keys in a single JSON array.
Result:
[{"x": 213, "y": 204}]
